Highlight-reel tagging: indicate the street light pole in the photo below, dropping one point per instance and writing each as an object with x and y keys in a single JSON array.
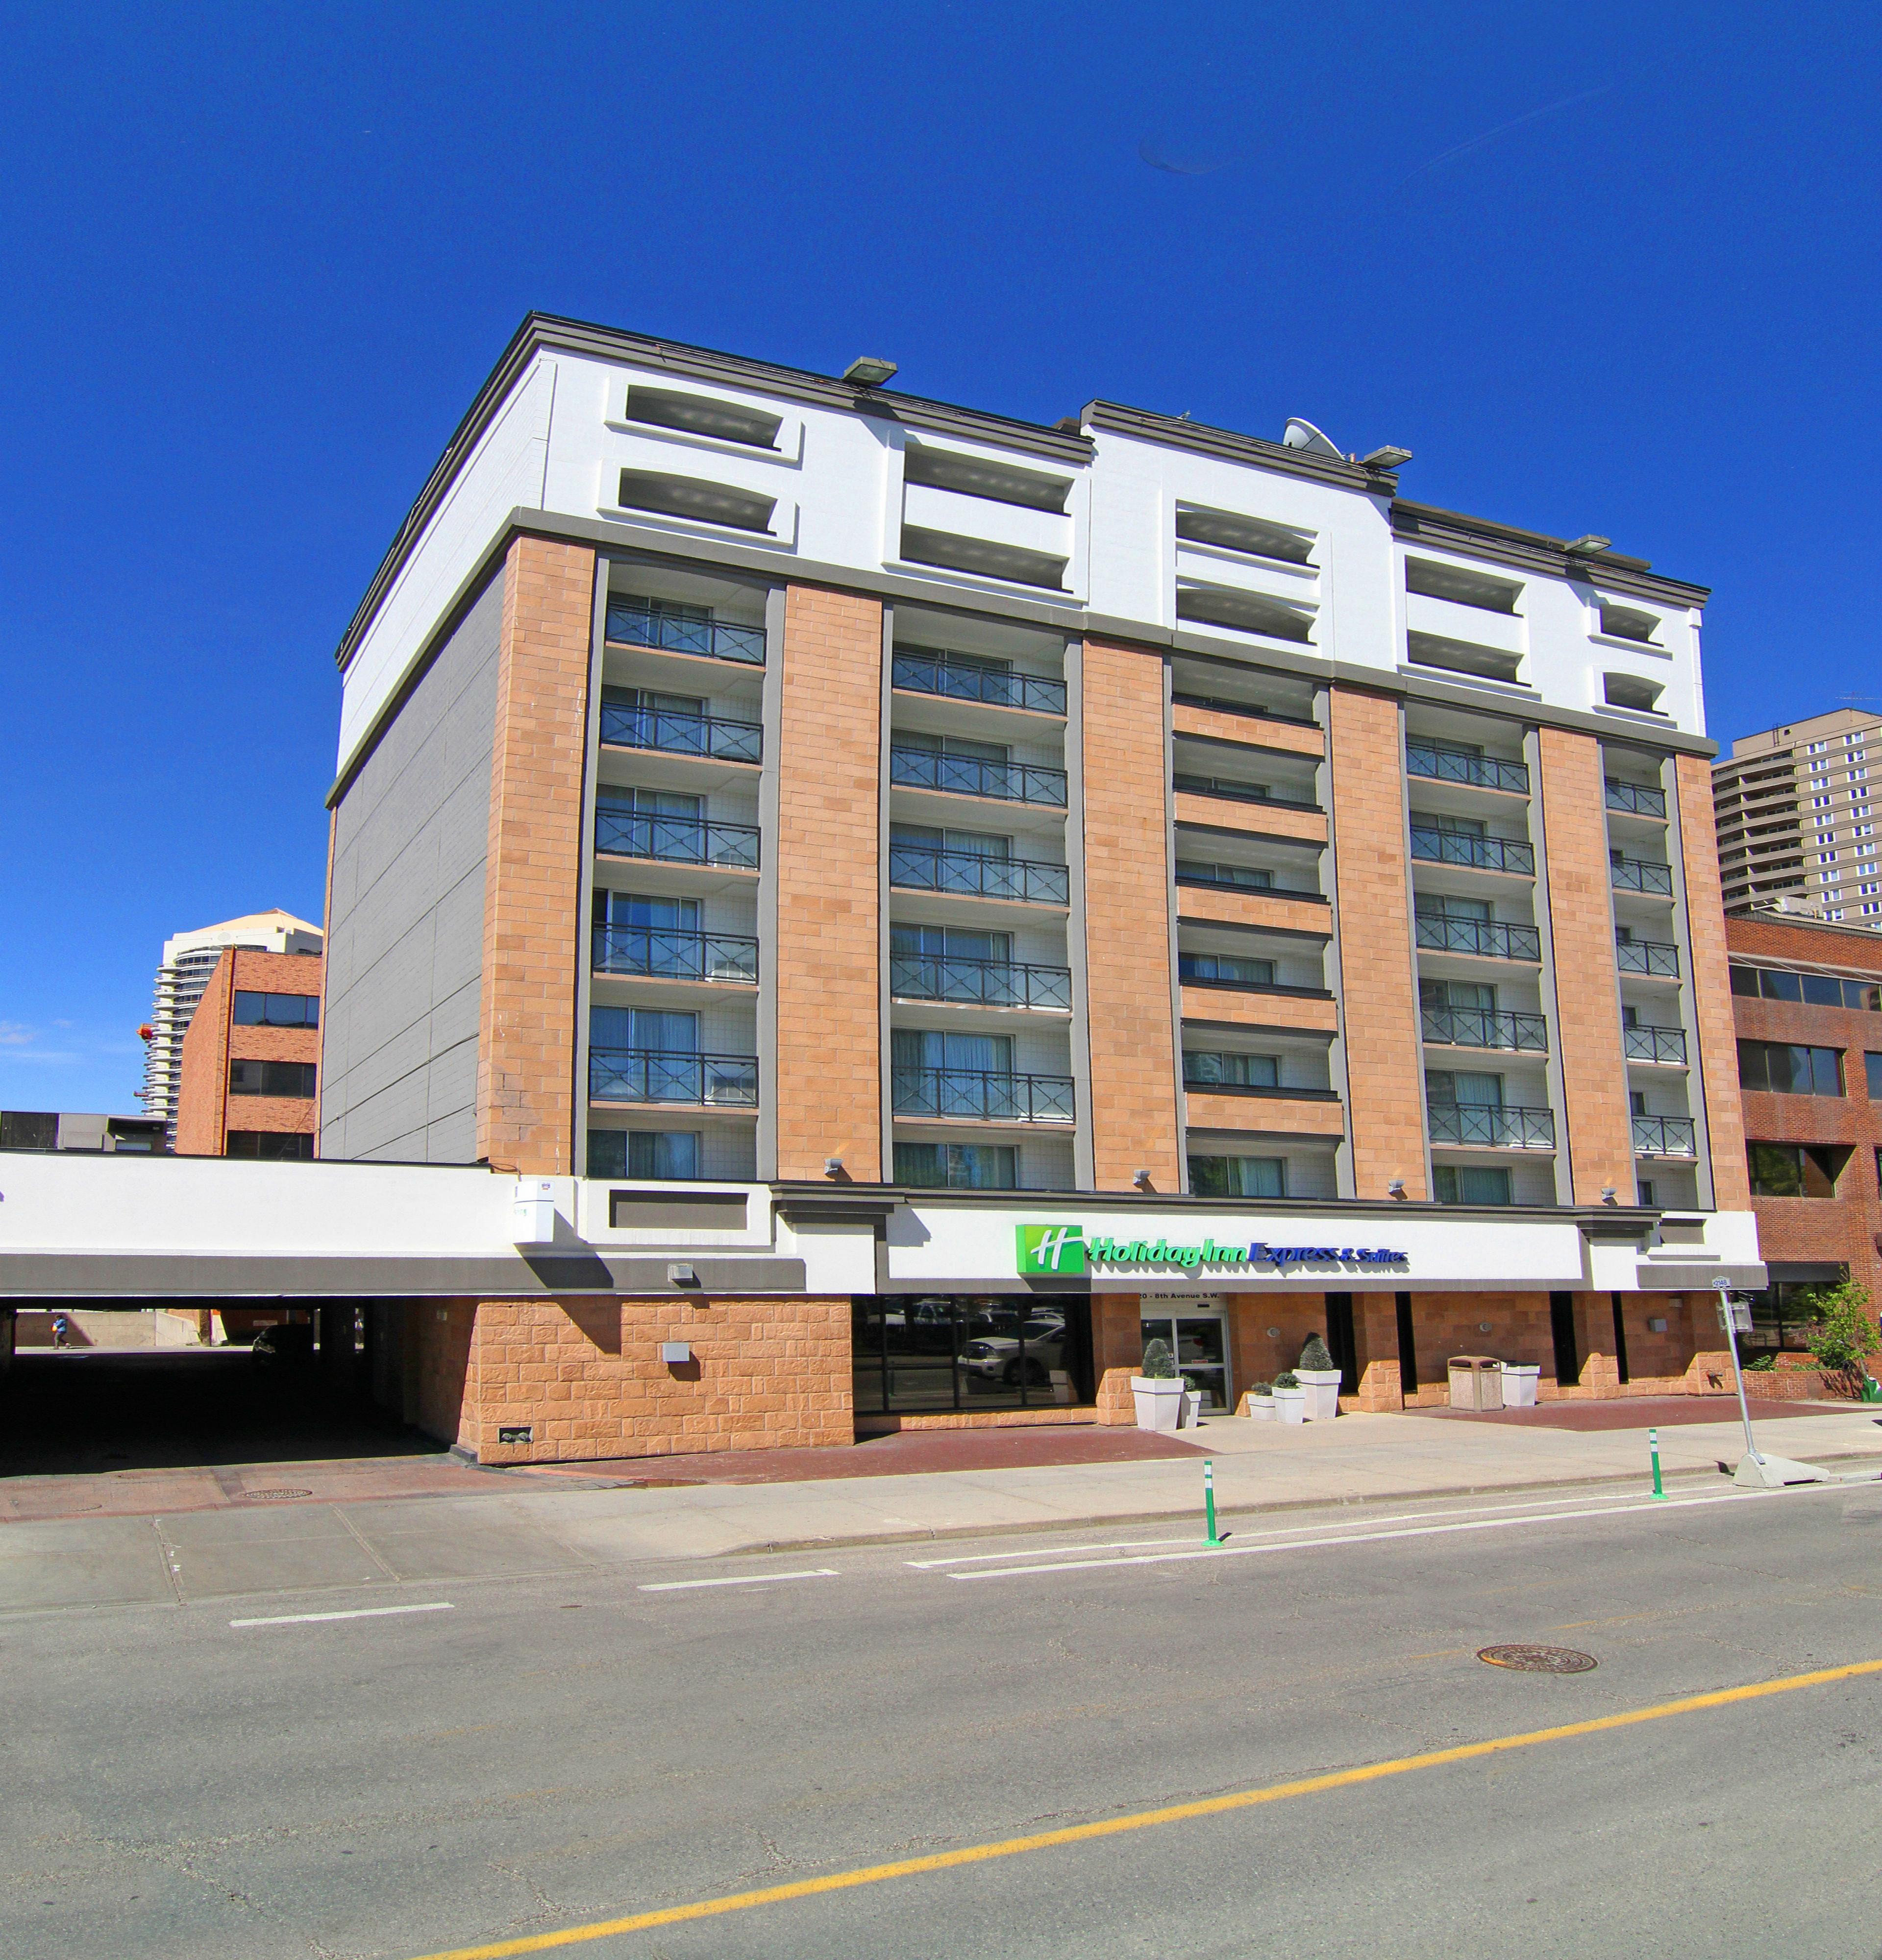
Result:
[{"x": 1724, "y": 1287}]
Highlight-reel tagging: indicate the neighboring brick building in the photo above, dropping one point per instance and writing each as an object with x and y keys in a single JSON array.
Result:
[
  {"x": 1807, "y": 1002},
  {"x": 249, "y": 1082}
]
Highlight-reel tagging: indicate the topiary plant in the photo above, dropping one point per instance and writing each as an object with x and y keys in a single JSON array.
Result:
[
  {"x": 1159, "y": 1365},
  {"x": 1261, "y": 1389},
  {"x": 1316, "y": 1354},
  {"x": 1288, "y": 1380}
]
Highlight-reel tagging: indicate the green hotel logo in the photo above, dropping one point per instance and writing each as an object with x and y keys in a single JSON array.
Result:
[{"x": 1051, "y": 1248}]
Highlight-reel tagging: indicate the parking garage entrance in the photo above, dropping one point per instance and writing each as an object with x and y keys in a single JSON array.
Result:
[{"x": 936, "y": 1354}]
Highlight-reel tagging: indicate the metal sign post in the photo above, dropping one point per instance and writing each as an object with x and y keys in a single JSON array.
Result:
[{"x": 1728, "y": 1312}]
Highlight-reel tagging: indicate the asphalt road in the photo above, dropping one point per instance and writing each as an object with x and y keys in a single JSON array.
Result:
[{"x": 536, "y": 1754}]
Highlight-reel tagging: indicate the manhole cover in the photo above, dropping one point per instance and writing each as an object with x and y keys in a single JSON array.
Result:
[
  {"x": 263, "y": 1496},
  {"x": 1539, "y": 1660}
]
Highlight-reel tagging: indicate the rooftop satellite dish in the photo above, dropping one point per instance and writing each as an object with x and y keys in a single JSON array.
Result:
[{"x": 1302, "y": 435}]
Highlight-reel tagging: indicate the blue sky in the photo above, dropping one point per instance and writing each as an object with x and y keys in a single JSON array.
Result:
[{"x": 1601, "y": 268}]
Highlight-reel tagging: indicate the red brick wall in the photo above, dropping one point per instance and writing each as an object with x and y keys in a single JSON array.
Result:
[
  {"x": 205, "y": 1111},
  {"x": 526, "y": 1052}
]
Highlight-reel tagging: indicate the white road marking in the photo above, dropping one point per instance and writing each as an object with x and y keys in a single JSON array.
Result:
[
  {"x": 357, "y": 1613},
  {"x": 754, "y": 1579},
  {"x": 1653, "y": 1507}
]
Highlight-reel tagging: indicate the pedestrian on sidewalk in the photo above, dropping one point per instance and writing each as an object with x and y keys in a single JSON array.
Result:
[{"x": 62, "y": 1330}]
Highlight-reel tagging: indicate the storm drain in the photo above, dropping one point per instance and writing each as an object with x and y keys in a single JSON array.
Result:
[
  {"x": 265, "y": 1496},
  {"x": 1539, "y": 1660}
]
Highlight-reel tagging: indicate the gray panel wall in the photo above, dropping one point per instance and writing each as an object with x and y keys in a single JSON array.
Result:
[{"x": 405, "y": 939}]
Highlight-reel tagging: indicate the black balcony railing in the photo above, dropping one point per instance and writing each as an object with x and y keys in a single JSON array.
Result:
[
  {"x": 1226, "y": 789},
  {"x": 636, "y": 624},
  {"x": 1452, "y": 766},
  {"x": 678, "y": 732},
  {"x": 1652, "y": 956},
  {"x": 1655, "y": 1044},
  {"x": 1494, "y": 1126},
  {"x": 967, "y": 775},
  {"x": 967, "y": 680},
  {"x": 664, "y": 955},
  {"x": 1480, "y": 854},
  {"x": 982, "y": 1095},
  {"x": 676, "y": 840},
  {"x": 1216, "y": 704},
  {"x": 978, "y": 983},
  {"x": 654, "y": 1075},
  {"x": 1636, "y": 874},
  {"x": 1484, "y": 938},
  {"x": 1481, "y": 1027},
  {"x": 919, "y": 868},
  {"x": 1665, "y": 1137},
  {"x": 1636, "y": 798}
]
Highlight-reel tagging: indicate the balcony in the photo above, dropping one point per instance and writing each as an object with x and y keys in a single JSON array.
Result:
[
  {"x": 676, "y": 840},
  {"x": 1654, "y": 957},
  {"x": 1636, "y": 874},
  {"x": 679, "y": 732},
  {"x": 1480, "y": 1027},
  {"x": 1479, "y": 853},
  {"x": 1491, "y": 1126},
  {"x": 1635, "y": 798},
  {"x": 659, "y": 954},
  {"x": 982, "y": 1095},
  {"x": 971, "y": 680},
  {"x": 1655, "y": 1044},
  {"x": 1451, "y": 765},
  {"x": 655, "y": 1075},
  {"x": 1665, "y": 1137},
  {"x": 1481, "y": 938},
  {"x": 979, "y": 983},
  {"x": 1030, "y": 881},
  {"x": 966, "y": 775},
  {"x": 634, "y": 623},
  {"x": 1225, "y": 790}
]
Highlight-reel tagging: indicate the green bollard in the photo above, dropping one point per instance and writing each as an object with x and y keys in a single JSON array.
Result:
[
  {"x": 1209, "y": 1498},
  {"x": 1653, "y": 1443}
]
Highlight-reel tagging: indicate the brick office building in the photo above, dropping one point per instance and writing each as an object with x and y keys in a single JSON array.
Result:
[
  {"x": 1807, "y": 1000},
  {"x": 250, "y": 1081},
  {"x": 824, "y": 841}
]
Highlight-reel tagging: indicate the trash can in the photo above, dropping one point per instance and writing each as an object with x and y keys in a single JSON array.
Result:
[{"x": 1476, "y": 1382}]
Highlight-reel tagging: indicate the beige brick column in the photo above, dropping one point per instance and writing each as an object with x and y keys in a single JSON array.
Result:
[
  {"x": 1600, "y": 1140},
  {"x": 1130, "y": 1017},
  {"x": 1378, "y": 1000},
  {"x": 829, "y": 959},
  {"x": 525, "y": 1050},
  {"x": 1711, "y": 983}
]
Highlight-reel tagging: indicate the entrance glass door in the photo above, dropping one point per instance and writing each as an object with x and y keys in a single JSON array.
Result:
[{"x": 1199, "y": 1340}]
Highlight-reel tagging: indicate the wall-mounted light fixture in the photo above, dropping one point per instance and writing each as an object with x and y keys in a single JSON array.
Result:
[
  {"x": 866, "y": 371},
  {"x": 1141, "y": 1178},
  {"x": 1609, "y": 1196},
  {"x": 832, "y": 1166},
  {"x": 682, "y": 1274},
  {"x": 1395, "y": 1188}
]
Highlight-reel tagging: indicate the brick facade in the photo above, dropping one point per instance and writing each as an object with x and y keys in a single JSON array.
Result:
[
  {"x": 1379, "y": 1009},
  {"x": 1127, "y": 912},
  {"x": 1711, "y": 984},
  {"x": 526, "y": 1051},
  {"x": 205, "y": 1111},
  {"x": 1596, "y": 1115},
  {"x": 830, "y": 936}
]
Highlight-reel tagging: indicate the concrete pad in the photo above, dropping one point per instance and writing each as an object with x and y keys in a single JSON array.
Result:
[
  {"x": 460, "y": 1538},
  {"x": 90, "y": 1562},
  {"x": 214, "y": 1554}
]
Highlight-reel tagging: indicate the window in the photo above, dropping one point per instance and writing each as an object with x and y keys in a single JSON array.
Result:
[
  {"x": 1769, "y": 983},
  {"x": 1432, "y": 649},
  {"x": 1460, "y": 587},
  {"x": 662, "y": 407},
  {"x": 1218, "y": 969},
  {"x": 1789, "y": 1070},
  {"x": 1872, "y": 1068},
  {"x": 1239, "y": 1071},
  {"x": 294, "y": 1079},
  {"x": 1791, "y": 1170},
  {"x": 1013, "y": 563},
  {"x": 957, "y": 1166},
  {"x": 1244, "y": 611},
  {"x": 1644, "y": 1187},
  {"x": 1466, "y": 1184},
  {"x": 975, "y": 476},
  {"x": 1237, "y": 878},
  {"x": 668, "y": 1153},
  {"x": 1631, "y": 690},
  {"x": 947, "y": 1351},
  {"x": 1238, "y": 1177},
  {"x": 1229, "y": 531},
  {"x": 277, "y": 1010},
  {"x": 271, "y": 1146},
  {"x": 688, "y": 496},
  {"x": 1624, "y": 622}
]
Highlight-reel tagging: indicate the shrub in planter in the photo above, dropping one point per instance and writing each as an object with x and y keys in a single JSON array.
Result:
[
  {"x": 1290, "y": 1398},
  {"x": 1844, "y": 1336},
  {"x": 1158, "y": 1391},
  {"x": 1261, "y": 1400},
  {"x": 1316, "y": 1354},
  {"x": 1159, "y": 1365},
  {"x": 1318, "y": 1374}
]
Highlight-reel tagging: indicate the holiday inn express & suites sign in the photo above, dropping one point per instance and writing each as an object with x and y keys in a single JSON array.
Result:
[{"x": 1055, "y": 1250}]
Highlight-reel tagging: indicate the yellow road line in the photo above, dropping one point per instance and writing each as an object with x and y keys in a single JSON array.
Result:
[{"x": 1144, "y": 1820}]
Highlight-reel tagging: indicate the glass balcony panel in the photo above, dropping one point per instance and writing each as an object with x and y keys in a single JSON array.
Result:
[
  {"x": 1475, "y": 1027},
  {"x": 1483, "y": 937},
  {"x": 922, "y": 868},
  {"x": 655, "y": 1075},
  {"x": 968, "y": 775},
  {"x": 971, "y": 680},
  {"x": 1665, "y": 1137},
  {"x": 1440, "y": 765},
  {"x": 1655, "y": 1044},
  {"x": 1636, "y": 798},
  {"x": 675, "y": 732},
  {"x": 676, "y": 840},
  {"x": 1495, "y": 1126},
  {"x": 636, "y": 623},
  {"x": 1481, "y": 854},
  {"x": 665, "y": 955},
  {"x": 1636, "y": 874},
  {"x": 983, "y": 1096},
  {"x": 1650, "y": 956},
  {"x": 980, "y": 983}
]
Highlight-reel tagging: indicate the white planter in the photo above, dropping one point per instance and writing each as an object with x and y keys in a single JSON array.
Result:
[
  {"x": 1261, "y": 1409},
  {"x": 1192, "y": 1409},
  {"x": 1519, "y": 1384},
  {"x": 1159, "y": 1404},
  {"x": 1290, "y": 1404},
  {"x": 1323, "y": 1392}
]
